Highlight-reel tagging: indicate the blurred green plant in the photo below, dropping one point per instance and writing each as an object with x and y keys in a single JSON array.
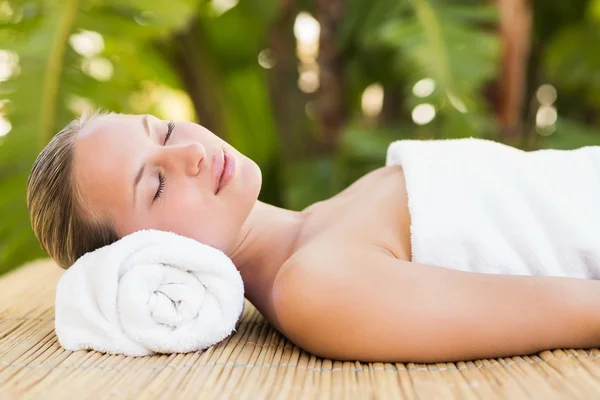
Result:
[
  {"x": 397, "y": 44},
  {"x": 199, "y": 60},
  {"x": 446, "y": 42}
]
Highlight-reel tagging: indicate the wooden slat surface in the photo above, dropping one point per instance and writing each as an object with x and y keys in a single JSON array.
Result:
[{"x": 255, "y": 363}]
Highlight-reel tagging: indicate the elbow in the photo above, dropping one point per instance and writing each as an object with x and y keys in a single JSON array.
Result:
[{"x": 322, "y": 345}]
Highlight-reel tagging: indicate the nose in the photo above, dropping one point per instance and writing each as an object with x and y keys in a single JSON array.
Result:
[{"x": 188, "y": 156}]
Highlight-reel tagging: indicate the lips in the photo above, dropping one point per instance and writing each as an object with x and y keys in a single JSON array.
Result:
[
  {"x": 224, "y": 170},
  {"x": 219, "y": 168}
]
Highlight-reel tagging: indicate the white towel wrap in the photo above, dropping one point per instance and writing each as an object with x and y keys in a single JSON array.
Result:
[{"x": 481, "y": 206}]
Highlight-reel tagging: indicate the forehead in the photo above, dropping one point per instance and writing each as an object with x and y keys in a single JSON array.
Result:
[
  {"x": 106, "y": 152},
  {"x": 116, "y": 124}
]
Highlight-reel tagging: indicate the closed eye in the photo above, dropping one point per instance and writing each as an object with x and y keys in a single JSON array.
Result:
[
  {"x": 161, "y": 186},
  {"x": 161, "y": 177}
]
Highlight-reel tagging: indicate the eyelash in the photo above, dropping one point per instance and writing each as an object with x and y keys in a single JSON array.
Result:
[
  {"x": 170, "y": 127},
  {"x": 161, "y": 177},
  {"x": 161, "y": 186}
]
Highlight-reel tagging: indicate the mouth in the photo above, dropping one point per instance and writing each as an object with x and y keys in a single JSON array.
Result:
[{"x": 224, "y": 170}]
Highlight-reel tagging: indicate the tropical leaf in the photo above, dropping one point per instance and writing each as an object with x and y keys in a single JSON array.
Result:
[
  {"x": 573, "y": 62},
  {"x": 52, "y": 77},
  {"x": 447, "y": 41}
]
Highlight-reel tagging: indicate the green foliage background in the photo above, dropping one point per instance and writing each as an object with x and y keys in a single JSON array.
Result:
[{"x": 185, "y": 58}]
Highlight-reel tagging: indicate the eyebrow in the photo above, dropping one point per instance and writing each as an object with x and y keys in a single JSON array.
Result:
[
  {"x": 140, "y": 173},
  {"x": 145, "y": 124},
  {"x": 137, "y": 180}
]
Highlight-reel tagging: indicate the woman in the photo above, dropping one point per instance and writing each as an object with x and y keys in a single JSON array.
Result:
[{"x": 336, "y": 278}]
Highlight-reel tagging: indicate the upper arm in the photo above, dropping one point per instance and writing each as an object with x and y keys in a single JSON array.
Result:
[{"x": 362, "y": 304}]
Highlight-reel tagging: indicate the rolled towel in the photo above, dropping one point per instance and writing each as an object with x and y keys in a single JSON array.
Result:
[{"x": 150, "y": 292}]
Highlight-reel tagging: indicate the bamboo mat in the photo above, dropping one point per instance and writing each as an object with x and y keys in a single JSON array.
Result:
[{"x": 255, "y": 363}]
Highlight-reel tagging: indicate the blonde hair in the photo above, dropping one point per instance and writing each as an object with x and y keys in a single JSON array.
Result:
[{"x": 58, "y": 217}]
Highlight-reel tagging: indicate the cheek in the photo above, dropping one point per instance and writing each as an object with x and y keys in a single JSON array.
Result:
[
  {"x": 215, "y": 221},
  {"x": 207, "y": 221},
  {"x": 197, "y": 133}
]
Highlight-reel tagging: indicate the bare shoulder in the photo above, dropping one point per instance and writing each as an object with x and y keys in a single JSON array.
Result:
[
  {"x": 313, "y": 291},
  {"x": 307, "y": 271},
  {"x": 321, "y": 263}
]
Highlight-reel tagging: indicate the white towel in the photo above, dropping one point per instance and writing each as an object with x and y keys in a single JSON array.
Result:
[
  {"x": 150, "y": 292},
  {"x": 481, "y": 206}
]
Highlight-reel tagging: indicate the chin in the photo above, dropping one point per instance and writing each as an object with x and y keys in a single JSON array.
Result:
[
  {"x": 248, "y": 180},
  {"x": 254, "y": 179}
]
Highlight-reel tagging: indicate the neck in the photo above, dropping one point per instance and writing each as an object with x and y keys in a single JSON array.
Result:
[{"x": 268, "y": 239}]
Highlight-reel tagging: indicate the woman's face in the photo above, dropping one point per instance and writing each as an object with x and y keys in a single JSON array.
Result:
[{"x": 195, "y": 184}]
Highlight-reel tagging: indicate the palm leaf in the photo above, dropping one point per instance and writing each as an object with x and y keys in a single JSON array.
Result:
[
  {"x": 51, "y": 76},
  {"x": 572, "y": 61},
  {"x": 448, "y": 41}
]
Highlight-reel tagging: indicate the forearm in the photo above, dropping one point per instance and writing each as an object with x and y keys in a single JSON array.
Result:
[
  {"x": 409, "y": 312},
  {"x": 480, "y": 315}
]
